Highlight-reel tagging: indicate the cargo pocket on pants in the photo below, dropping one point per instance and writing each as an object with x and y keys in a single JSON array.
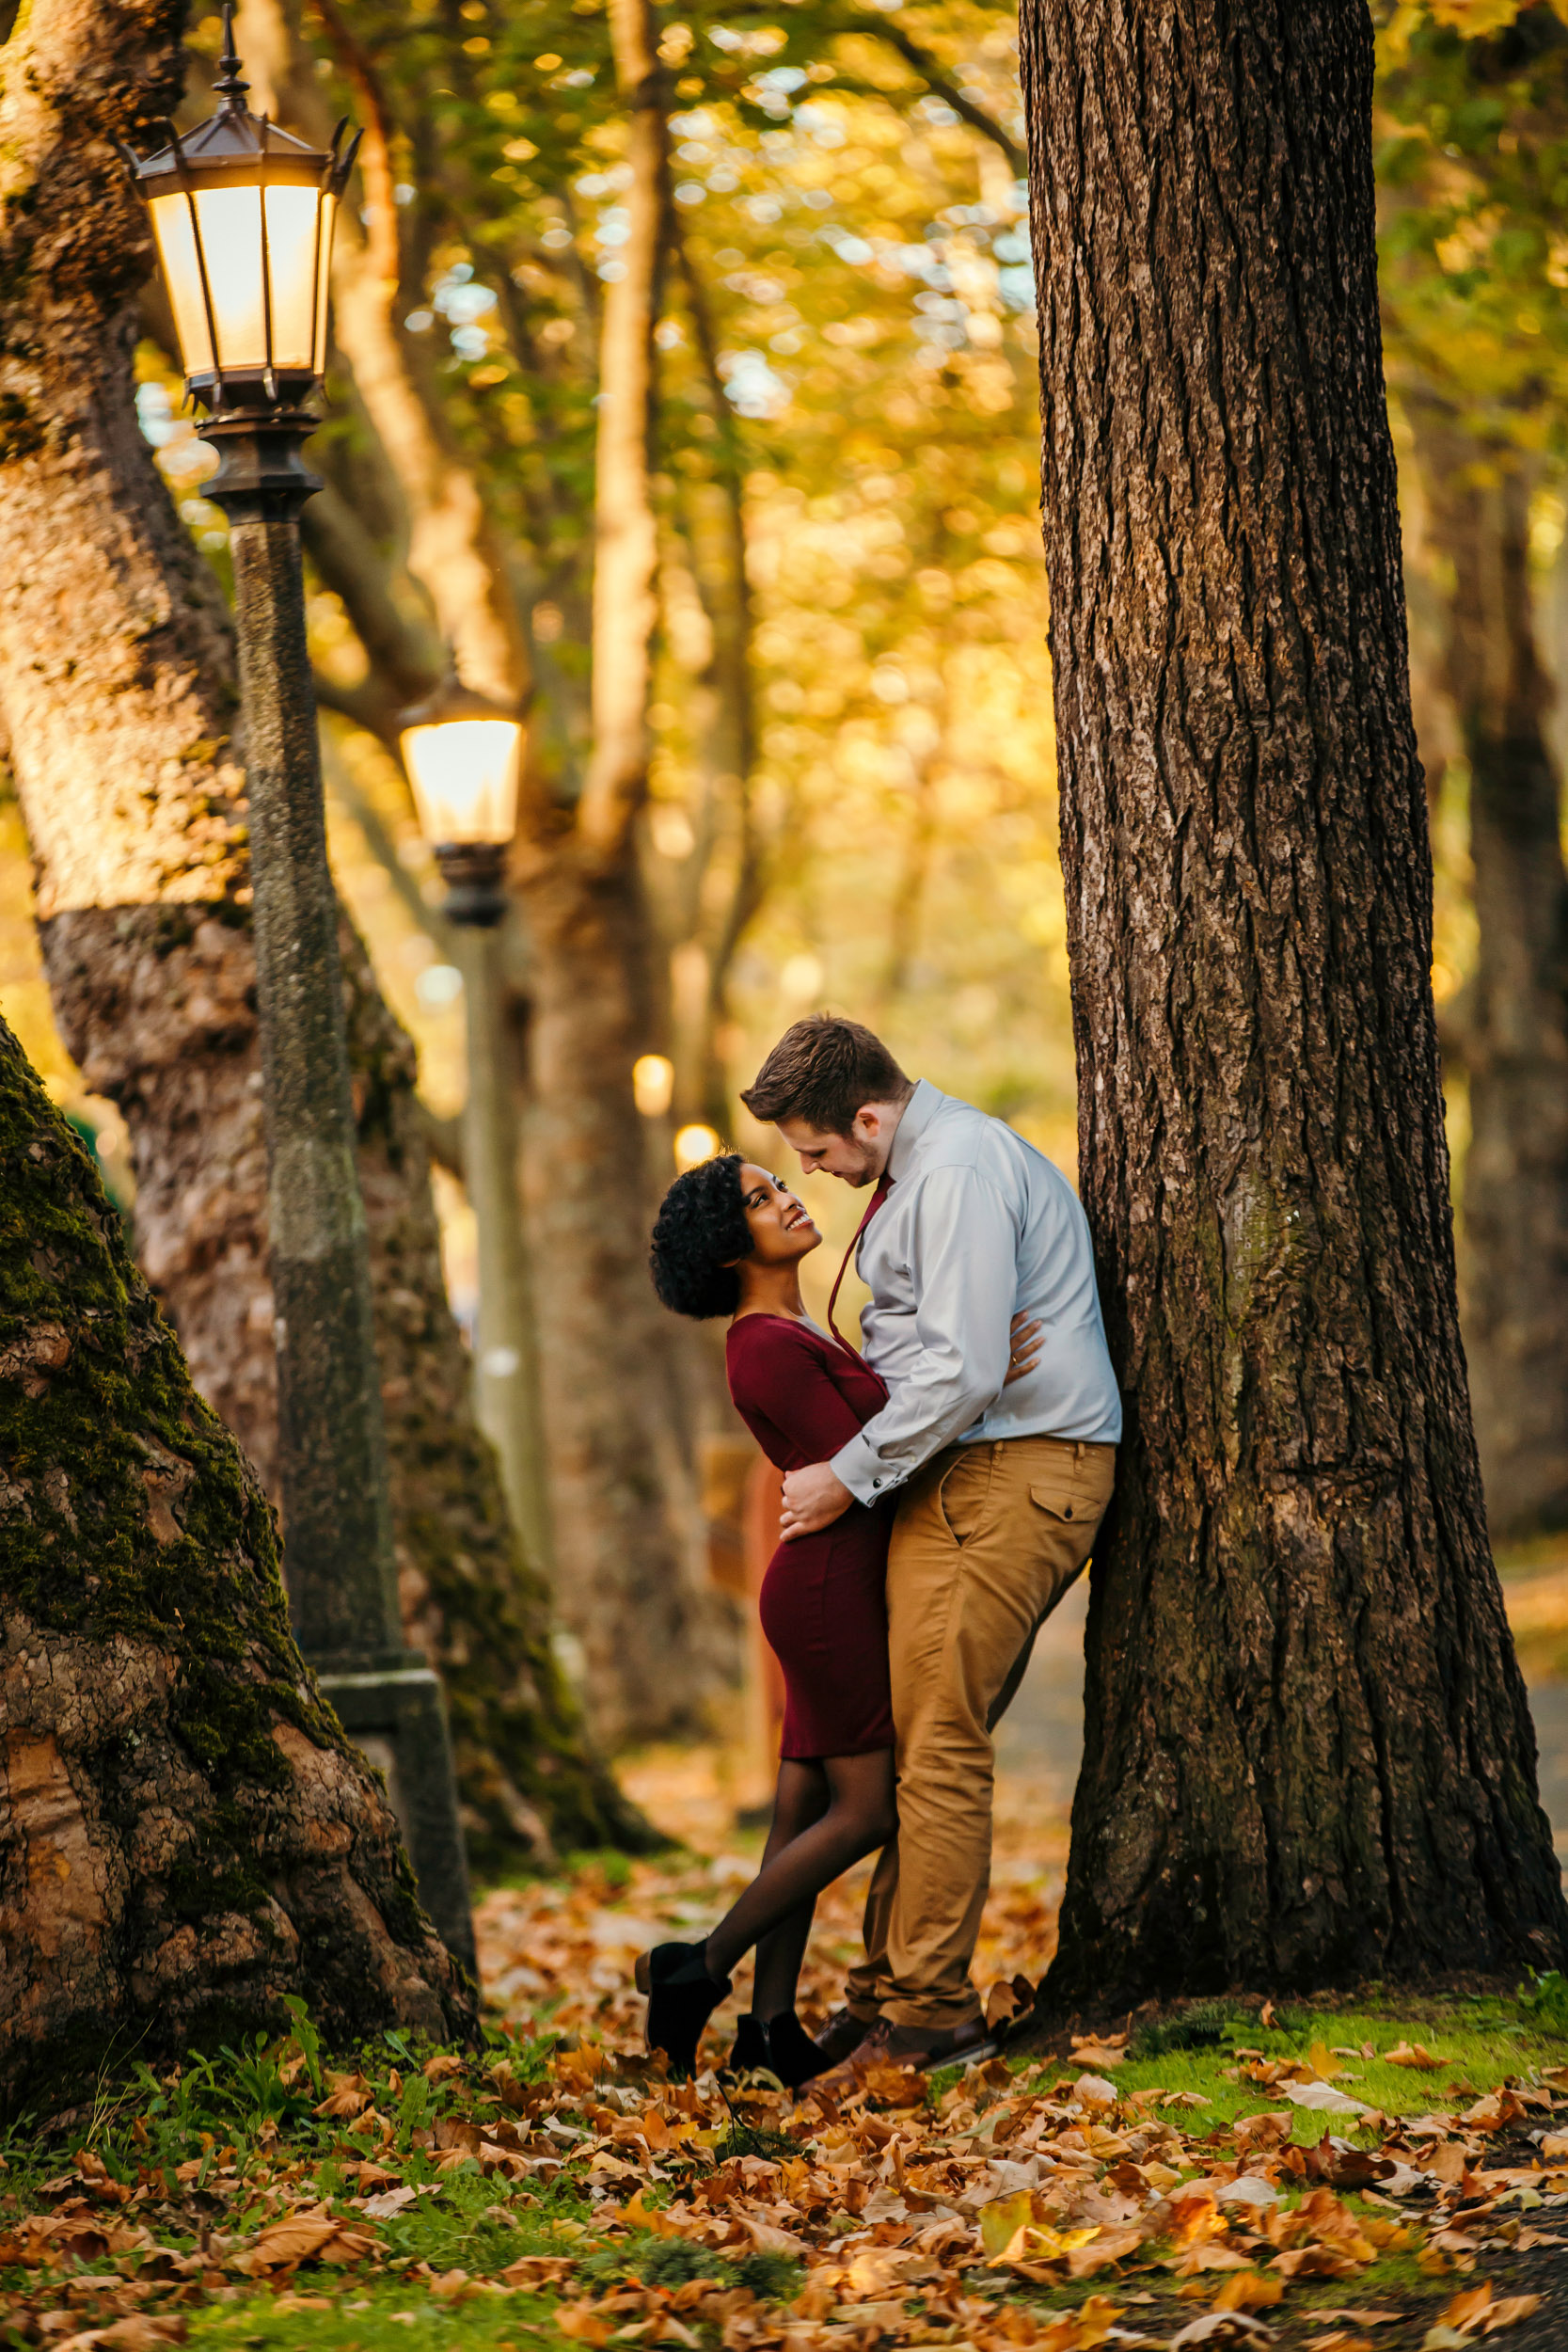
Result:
[{"x": 1059, "y": 1502}]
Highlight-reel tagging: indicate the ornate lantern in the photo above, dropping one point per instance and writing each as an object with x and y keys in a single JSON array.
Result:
[{"x": 243, "y": 213}]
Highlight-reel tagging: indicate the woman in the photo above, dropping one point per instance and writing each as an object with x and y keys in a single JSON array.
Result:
[{"x": 729, "y": 1240}]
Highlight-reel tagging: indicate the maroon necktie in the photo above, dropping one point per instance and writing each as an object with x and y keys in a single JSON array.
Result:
[{"x": 884, "y": 1185}]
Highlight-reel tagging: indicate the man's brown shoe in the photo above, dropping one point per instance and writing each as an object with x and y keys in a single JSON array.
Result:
[
  {"x": 921, "y": 2048},
  {"x": 842, "y": 2035}
]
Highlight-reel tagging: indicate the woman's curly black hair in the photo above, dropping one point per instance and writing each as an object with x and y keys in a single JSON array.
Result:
[{"x": 700, "y": 1225}]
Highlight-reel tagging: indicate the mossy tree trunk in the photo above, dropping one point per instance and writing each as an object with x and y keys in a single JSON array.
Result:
[
  {"x": 187, "y": 1836},
  {"x": 117, "y": 690},
  {"x": 1309, "y": 1754},
  {"x": 1510, "y": 1023}
]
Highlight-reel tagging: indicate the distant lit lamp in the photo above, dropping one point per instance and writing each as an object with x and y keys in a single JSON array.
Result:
[
  {"x": 243, "y": 214},
  {"x": 462, "y": 753},
  {"x": 695, "y": 1144},
  {"x": 653, "y": 1084}
]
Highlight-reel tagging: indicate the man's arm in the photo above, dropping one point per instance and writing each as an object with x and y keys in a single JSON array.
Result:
[{"x": 964, "y": 1261}]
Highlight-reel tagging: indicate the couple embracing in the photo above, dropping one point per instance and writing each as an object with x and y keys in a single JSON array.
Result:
[{"x": 941, "y": 1493}]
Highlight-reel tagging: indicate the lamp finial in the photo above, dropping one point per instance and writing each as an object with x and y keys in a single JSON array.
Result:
[{"x": 231, "y": 87}]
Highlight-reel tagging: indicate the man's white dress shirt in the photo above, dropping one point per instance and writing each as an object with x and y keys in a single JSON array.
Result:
[{"x": 977, "y": 1226}]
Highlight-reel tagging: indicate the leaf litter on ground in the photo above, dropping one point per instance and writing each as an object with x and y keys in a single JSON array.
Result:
[{"x": 560, "y": 2180}]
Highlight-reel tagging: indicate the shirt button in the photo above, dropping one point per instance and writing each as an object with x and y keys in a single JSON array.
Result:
[{"x": 1068, "y": 1513}]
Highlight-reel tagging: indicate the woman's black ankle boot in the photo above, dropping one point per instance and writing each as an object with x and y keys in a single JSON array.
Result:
[
  {"x": 682, "y": 1996},
  {"x": 795, "y": 2056},
  {"x": 751, "y": 2048}
]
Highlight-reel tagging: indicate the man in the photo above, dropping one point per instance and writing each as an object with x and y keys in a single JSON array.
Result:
[{"x": 1001, "y": 1490}]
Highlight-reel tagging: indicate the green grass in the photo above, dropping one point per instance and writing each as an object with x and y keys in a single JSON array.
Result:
[
  {"x": 379, "y": 2317},
  {"x": 1480, "y": 2044},
  {"x": 472, "y": 2225}
]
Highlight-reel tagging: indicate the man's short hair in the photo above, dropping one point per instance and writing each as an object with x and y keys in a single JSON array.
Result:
[{"x": 823, "y": 1071}]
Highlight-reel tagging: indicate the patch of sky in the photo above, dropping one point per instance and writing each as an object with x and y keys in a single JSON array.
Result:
[
  {"x": 781, "y": 77},
  {"x": 754, "y": 389},
  {"x": 464, "y": 304},
  {"x": 1011, "y": 246},
  {"x": 1018, "y": 286},
  {"x": 156, "y": 414},
  {"x": 915, "y": 261},
  {"x": 823, "y": 127},
  {"x": 614, "y": 228},
  {"x": 690, "y": 192},
  {"x": 850, "y": 248},
  {"x": 695, "y": 126}
]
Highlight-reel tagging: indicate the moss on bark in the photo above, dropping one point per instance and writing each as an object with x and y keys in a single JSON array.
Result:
[{"x": 188, "y": 1834}]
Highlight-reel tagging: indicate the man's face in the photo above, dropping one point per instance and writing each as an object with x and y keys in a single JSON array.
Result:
[{"x": 856, "y": 1158}]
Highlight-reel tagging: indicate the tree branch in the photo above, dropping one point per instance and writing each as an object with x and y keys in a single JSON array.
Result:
[
  {"x": 939, "y": 82},
  {"x": 625, "y": 537}
]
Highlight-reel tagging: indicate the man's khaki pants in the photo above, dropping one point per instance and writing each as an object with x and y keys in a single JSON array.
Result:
[{"x": 988, "y": 1539}]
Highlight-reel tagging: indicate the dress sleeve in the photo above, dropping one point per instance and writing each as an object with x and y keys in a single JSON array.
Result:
[{"x": 780, "y": 1374}]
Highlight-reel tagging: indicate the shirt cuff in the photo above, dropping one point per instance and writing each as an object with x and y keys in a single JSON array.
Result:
[{"x": 861, "y": 1468}]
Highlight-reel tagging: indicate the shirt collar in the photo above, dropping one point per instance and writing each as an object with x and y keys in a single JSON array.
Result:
[{"x": 919, "y": 1111}]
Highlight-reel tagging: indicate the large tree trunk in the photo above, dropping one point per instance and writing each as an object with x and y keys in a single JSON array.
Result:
[
  {"x": 187, "y": 1834},
  {"x": 115, "y": 682},
  {"x": 1308, "y": 1755},
  {"x": 1510, "y": 1025}
]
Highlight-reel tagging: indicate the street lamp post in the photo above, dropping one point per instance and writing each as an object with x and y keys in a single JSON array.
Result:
[
  {"x": 243, "y": 215},
  {"x": 461, "y": 752}
]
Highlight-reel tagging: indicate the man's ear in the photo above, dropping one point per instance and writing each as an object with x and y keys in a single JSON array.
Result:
[{"x": 867, "y": 1123}]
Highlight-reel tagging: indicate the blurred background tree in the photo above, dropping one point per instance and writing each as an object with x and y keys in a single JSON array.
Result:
[{"x": 1474, "y": 169}]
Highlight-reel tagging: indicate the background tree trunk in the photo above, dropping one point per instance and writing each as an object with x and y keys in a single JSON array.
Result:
[
  {"x": 115, "y": 680},
  {"x": 614, "y": 1396},
  {"x": 632, "y": 1577},
  {"x": 1308, "y": 1755},
  {"x": 1510, "y": 1025},
  {"x": 187, "y": 1834}
]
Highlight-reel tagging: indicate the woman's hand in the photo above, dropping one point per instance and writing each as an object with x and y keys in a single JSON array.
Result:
[{"x": 1025, "y": 1346}]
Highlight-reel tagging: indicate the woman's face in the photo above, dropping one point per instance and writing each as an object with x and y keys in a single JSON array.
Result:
[{"x": 780, "y": 1227}]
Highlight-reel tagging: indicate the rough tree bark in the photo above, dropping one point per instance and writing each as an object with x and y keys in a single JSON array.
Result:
[
  {"x": 116, "y": 681},
  {"x": 187, "y": 1834},
  {"x": 1510, "y": 1024},
  {"x": 1309, "y": 1754}
]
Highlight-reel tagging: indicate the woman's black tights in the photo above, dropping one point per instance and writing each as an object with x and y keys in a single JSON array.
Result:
[{"x": 827, "y": 1815}]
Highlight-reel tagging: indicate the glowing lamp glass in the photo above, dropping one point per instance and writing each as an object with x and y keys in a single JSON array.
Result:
[
  {"x": 267, "y": 252},
  {"x": 695, "y": 1144},
  {"x": 464, "y": 777},
  {"x": 652, "y": 1083}
]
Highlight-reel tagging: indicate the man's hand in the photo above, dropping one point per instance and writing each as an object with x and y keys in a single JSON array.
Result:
[{"x": 812, "y": 1498}]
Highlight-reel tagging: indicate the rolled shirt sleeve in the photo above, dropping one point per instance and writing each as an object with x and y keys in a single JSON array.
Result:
[{"x": 963, "y": 1246}]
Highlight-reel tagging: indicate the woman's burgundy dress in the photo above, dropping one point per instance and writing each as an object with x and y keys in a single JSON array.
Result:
[{"x": 823, "y": 1604}]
